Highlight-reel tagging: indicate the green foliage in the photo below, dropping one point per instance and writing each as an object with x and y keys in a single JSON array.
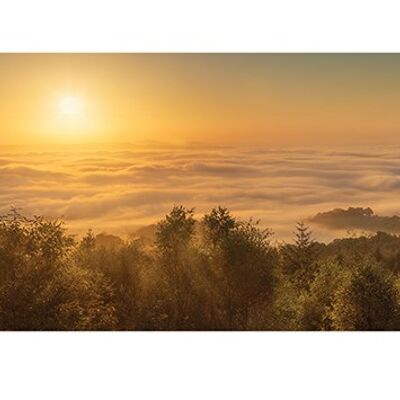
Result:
[
  {"x": 220, "y": 273},
  {"x": 40, "y": 287},
  {"x": 298, "y": 259},
  {"x": 176, "y": 258},
  {"x": 174, "y": 234},
  {"x": 218, "y": 226},
  {"x": 315, "y": 304},
  {"x": 367, "y": 301},
  {"x": 241, "y": 255}
]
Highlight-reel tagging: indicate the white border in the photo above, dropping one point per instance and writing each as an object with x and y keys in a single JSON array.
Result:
[
  {"x": 199, "y": 26},
  {"x": 199, "y": 366}
]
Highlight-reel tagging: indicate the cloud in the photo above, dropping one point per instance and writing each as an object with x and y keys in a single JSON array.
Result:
[
  {"x": 117, "y": 189},
  {"x": 13, "y": 174}
]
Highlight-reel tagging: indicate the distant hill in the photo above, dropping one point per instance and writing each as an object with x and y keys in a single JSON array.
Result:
[{"x": 357, "y": 218}]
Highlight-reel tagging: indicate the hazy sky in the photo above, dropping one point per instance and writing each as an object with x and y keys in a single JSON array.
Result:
[{"x": 230, "y": 98}]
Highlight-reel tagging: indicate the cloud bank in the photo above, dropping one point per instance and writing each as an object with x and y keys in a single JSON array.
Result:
[{"x": 119, "y": 190}]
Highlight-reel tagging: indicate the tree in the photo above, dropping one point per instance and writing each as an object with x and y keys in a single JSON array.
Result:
[
  {"x": 315, "y": 305},
  {"x": 41, "y": 288},
  {"x": 367, "y": 301},
  {"x": 242, "y": 258},
  {"x": 298, "y": 259},
  {"x": 175, "y": 232},
  {"x": 219, "y": 225},
  {"x": 174, "y": 237}
]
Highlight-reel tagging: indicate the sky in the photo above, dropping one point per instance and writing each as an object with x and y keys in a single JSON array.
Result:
[
  {"x": 269, "y": 99},
  {"x": 113, "y": 141}
]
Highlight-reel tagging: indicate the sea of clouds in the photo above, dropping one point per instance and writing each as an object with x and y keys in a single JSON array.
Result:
[{"x": 121, "y": 189}]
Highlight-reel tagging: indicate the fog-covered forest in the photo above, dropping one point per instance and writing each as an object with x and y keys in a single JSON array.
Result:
[{"x": 215, "y": 273}]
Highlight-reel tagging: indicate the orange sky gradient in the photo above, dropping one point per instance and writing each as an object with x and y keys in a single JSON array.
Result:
[{"x": 291, "y": 99}]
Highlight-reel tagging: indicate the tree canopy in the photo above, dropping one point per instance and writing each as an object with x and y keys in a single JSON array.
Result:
[{"x": 217, "y": 272}]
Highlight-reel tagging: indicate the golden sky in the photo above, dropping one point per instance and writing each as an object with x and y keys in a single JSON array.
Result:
[{"x": 292, "y": 99}]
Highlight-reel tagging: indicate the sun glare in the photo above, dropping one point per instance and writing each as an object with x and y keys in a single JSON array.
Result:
[{"x": 70, "y": 106}]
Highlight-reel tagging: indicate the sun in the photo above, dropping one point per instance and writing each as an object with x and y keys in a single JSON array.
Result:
[{"x": 70, "y": 106}]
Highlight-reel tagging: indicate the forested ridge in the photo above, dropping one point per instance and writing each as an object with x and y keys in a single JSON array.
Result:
[{"x": 215, "y": 273}]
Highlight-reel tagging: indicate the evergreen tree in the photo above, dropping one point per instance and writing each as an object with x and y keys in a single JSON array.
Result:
[{"x": 298, "y": 259}]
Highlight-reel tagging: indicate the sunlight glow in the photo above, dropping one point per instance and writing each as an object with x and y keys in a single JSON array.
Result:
[{"x": 70, "y": 106}]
